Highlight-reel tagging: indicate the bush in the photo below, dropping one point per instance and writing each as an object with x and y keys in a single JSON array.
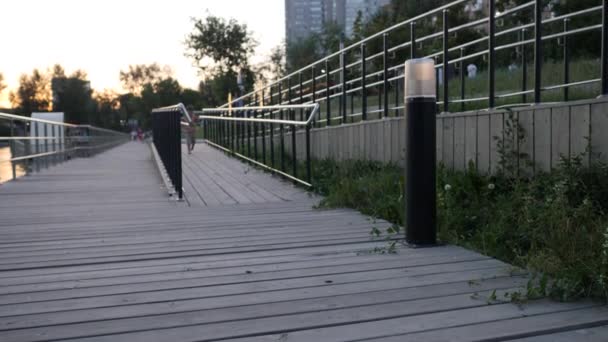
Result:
[{"x": 554, "y": 224}]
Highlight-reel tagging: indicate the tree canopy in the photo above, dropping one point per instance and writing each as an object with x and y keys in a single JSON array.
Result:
[{"x": 134, "y": 79}]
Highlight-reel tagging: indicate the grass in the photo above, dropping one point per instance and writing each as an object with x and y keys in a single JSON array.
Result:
[
  {"x": 555, "y": 224},
  {"x": 506, "y": 82}
]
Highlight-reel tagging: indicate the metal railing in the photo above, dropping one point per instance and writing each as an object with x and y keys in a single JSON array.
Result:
[
  {"x": 167, "y": 144},
  {"x": 346, "y": 83},
  {"x": 33, "y": 144},
  {"x": 253, "y": 133}
]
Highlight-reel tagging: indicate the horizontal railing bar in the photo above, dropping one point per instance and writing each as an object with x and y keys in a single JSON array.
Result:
[
  {"x": 24, "y": 118},
  {"x": 515, "y": 9}
]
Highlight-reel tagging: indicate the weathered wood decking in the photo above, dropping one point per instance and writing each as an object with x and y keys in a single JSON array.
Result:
[{"x": 93, "y": 250}]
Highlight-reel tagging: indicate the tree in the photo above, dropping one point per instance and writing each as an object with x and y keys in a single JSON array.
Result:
[
  {"x": 2, "y": 84},
  {"x": 107, "y": 112},
  {"x": 221, "y": 49},
  {"x": 136, "y": 76},
  {"x": 226, "y": 44},
  {"x": 72, "y": 95},
  {"x": 302, "y": 53},
  {"x": 33, "y": 94}
]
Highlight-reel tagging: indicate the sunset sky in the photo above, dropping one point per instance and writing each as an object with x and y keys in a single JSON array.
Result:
[{"x": 103, "y": 37}]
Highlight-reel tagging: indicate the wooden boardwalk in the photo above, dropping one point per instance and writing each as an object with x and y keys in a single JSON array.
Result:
[{"x": 93, "y": 250}]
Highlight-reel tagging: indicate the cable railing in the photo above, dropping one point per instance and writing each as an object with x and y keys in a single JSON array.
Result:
[
  {"x": 364, "y": 80},
  {"x": 30, "y": 144}
]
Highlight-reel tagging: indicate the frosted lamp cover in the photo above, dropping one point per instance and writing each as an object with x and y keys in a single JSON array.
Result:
[{"x": 420, "y": 78}]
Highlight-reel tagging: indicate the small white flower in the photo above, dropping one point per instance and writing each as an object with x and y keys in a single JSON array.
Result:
[
  {"x": 447, "y": 187},
  {"x": 491, "y": 186}
]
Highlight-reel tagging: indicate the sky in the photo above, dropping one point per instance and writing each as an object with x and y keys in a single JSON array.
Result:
[{"x": 106, "y": 36}]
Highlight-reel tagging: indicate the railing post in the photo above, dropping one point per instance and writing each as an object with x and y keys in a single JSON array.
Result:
[
  {"x": 343, "y": 79},
  {"x": 491, "y": 54},
  {"x": 538, "y": 53},
  {"x": 524, "y": 68},
  {"x": 249, "y": 124},
  {"x": 12, "y": 149},
  {"x": 271, "y": 116},
  {"x": 446, "y": 41},
  {"x": 363, "y": 83},
  {"x": 327, "y": 95},
  {"x": 604, "y": 67},
  {"x": 462, "y": 79},
  {"x": 301, "y": 95},
  {"x": 412, "y": 40},
  {"x": 294, "y": 158},
  {"x": 178, "y": 154},
  {"x": 282, "y": 130},
  {"x": 385, "y": 74},
  {"x": 255, "y": 131},
  {"x": 308, "y": 165},
  {"x": 37, "y": 145},
  {"x": 566, "y": 61},
  {"x": 46, "y": 146},
  {"x": 314, "y": 92},
  {"x": 263, "y": 130}
]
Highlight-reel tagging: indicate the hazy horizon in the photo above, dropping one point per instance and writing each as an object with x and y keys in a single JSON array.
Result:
[{"x": 103, "y": 38}]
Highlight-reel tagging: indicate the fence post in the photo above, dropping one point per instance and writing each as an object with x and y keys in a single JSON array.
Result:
[
  {"x": 446, "y": 41},
  {"x": 524, "y": 68},
  {"x": 363, "y": 83},
  {"x": 271, "y": 116},
  {"x": 412, "y": 40},
  {"x": 604, "y": 67},
  {"x": 314, "y": 91},
  {"x": 327, "y": 96},
  {"x": 462, "y": 79},
  {"x": 281, "y": 129},
  {"x": 255, "y": 129},
  {"x": 385, "y": 74},
  {"x": 308, "y": 165},
  {"x": 343, "y": 79},
  {"x": 538, "y": 53},
  {"x": 263, "y": 124},
  {"x": 301, "y": 95},
  {"x": 12, "y": 149},
  {"x": 492, "y": 54},
  {"x": 566, "y": 61}
]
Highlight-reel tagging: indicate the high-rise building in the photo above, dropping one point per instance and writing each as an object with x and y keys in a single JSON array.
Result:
[{"x": 303, "y": 17}]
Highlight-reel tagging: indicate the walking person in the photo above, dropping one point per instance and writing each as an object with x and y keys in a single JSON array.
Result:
[{"x": 191, "y": 131}]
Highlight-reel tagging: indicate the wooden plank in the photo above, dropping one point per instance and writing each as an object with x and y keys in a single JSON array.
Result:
[
  {"x": 526, "y": 142},
  {"x": 448, "y": 142},
  {"x": 439, "y": 139}
]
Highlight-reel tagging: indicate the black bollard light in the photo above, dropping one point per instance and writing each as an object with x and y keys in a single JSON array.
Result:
[{"x": 420, "y": 193}]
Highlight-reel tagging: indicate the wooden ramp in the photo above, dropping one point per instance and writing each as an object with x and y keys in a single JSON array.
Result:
[{"x": 93, "y": 250}]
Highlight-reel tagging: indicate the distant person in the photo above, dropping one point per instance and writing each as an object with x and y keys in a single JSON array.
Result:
[
  {"x": 140, "y": 134},
  {"x": 133, "y": 135},
  {"x": 191, "y": 131},
  {"x": 512, "y": 66},
  {"x": 472, "y": 70}
]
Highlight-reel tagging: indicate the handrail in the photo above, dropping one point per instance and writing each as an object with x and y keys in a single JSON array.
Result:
[
  {"x": 178, "y": 107},
  {"x": 314, "y": 106},
  {"x": 485, "y": 46},
  {"x": 38, "y": 142},
  {"x": 234, "y": 134}
]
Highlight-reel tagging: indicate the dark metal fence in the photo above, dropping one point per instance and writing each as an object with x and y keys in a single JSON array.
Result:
[
  {"x": 33, "y": 144},
  {"x": 167, "y": 139},
  {"x": 258, "y": 134},
  {"x": 364, "y": 80}
]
